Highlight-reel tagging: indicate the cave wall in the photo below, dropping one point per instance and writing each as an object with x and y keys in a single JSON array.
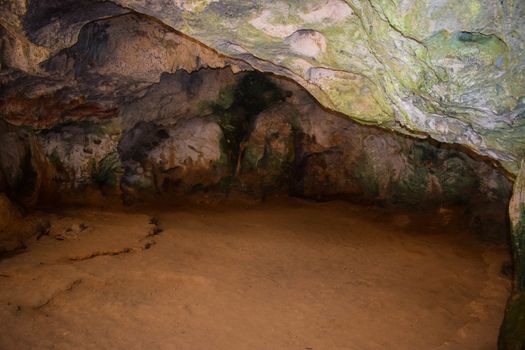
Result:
[
  {"x": 512, "y": 333},
  {"x": 135, "y": 109},
  {"x": 276, "y": 140},
  {"x": 176, "y": 139},
  {"x": 105, "y": 96},
  {"x": 452, "y": 70}
]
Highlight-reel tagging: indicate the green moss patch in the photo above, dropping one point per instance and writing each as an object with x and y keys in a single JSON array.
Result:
[
  {"x": 55, "y": 160},
  {"x": 235, "y": 108},
  {"x": 106, "y": 172},
  {"x": 366, "y": 175},
  {"x": 412, "y": 189}
]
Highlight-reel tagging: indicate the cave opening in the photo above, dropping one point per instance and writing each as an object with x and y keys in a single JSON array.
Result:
[{"x": 154, "y": 193}]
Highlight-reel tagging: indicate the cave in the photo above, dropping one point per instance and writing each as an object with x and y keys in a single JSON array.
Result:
[{"x": 317, "y": 174}]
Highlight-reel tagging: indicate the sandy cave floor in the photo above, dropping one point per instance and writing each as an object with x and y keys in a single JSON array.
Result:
[{"x": 285, "y": 274}]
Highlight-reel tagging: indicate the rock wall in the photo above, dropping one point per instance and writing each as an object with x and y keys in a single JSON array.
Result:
[
  {"x": 450, "y": 69},
  {"x": 134, "y": 108},
  {"x": 106, "y": 95},
  {"x": 17, "y": 226},
  {"x": 512, "y": 335},
  {"x": 218, "y": 131}
]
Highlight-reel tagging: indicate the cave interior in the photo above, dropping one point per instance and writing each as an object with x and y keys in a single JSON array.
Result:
[{"x": 161, "y": 189}]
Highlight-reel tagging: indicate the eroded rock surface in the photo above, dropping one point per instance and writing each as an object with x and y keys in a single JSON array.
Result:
[
  {"x": 134, "y": 107},
  {"x": 17, "y": 227},
  {"x": 221, "y": 132},
  {"x": 107, "y": 96},
  {"x": 452, "y": 70},
  {"x": 512, "y": 334}
]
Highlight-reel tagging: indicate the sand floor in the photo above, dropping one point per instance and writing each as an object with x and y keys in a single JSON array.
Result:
[{"x": 284, "y": 274}]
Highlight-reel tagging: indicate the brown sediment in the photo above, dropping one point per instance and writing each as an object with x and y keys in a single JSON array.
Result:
[{"x": 283, "y": 274}]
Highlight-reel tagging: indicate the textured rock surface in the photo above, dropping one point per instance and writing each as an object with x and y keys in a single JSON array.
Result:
[
  {"x": 108, "y": 96},
  {"x": 452, "y": 70},
  {"x": 174, "y": 158},
  {"x": 75, "y": 151},
  {"x": 24, "y": 173},
  {"x": 114, "y": 102},
  {"x": 16, "y": 227},
  {"x": 217, "y": 131},
  {"x": 9, "y": 214},
  {"x": 115, "y": 62},
  {"x": 176, "y": 95},
  {"x": 512, "y": 335}
]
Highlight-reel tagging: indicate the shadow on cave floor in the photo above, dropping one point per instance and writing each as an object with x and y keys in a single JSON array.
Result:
[{"x": 282, "y": 274}]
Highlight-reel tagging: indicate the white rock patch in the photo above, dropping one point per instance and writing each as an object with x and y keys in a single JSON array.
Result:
[
  {"x": 195, "y": 142},
  {"x": 276, "y": 30},
  {"x": 333, "y": 10},
  {"x": 307, "y": 42}
]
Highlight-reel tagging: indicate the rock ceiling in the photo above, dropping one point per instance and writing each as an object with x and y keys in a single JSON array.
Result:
[{"x": 452, "y": 70}]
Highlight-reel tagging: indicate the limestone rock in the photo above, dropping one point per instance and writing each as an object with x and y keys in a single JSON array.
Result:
[
  {"x": 9, "y": 238},
  {"x": 179, "y": 95},
  {"x": 76, "y": 152},
  {"x": 15, "y": 227},
  {"x": 23, "y": 167},
  {"x": 175, "y": 158},
  {"x": 451, "y": 70},
  {"x": 133, "y": 48},
  {"x": 512, "y": 333},
  {"x": 15, "y": 47},
  {"x": 328, "y": 11},
  {"x": 268, "y": 153},
  {"x": 111, "y": 66},
  {"x": 193, "y": 142},
  {"x": 307, "y": 42}
]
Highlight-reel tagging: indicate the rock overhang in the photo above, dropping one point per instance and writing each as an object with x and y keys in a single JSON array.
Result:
[{"x": 452, "y": 71}]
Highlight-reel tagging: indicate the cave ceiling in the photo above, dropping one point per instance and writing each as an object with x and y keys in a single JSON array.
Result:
[{"x": 446, "y": 69}]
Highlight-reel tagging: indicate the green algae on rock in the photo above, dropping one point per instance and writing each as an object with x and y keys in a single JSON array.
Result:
[{"x": 451, "y": 70}]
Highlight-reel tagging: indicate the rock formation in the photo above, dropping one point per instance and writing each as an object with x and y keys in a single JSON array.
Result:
[
  {"x": 451, "y": 70},
  {"x": 160, "y": 98}
]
